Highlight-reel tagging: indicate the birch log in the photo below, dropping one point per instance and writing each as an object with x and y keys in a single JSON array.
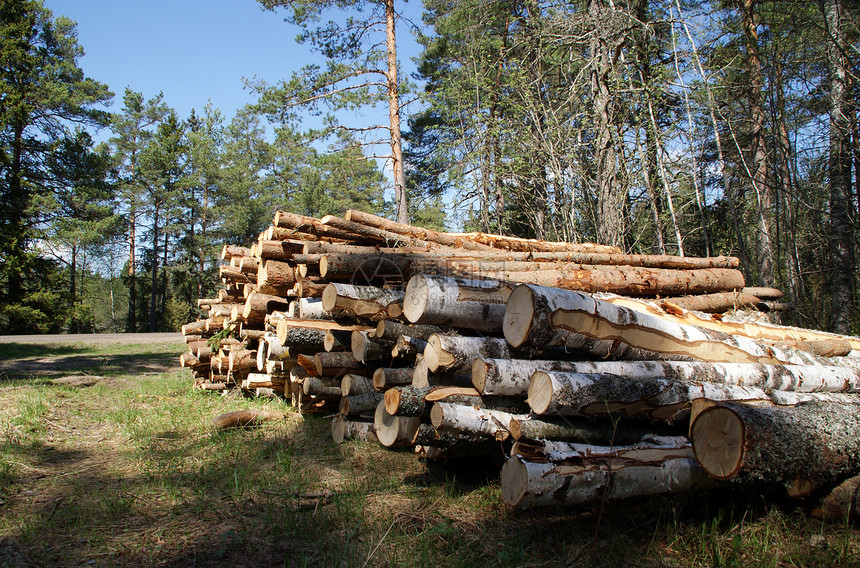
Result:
[
  {"x": 356, "y": 404},
  {"x": 804, "y": 447},
  {"x": 365, "y": 349},
  {"x": 387, "y": 331},
  {"x": 512, "y": 376},
  {"x": 343, "y": 429},
  {"x": 394, "y": 431},
  {"x": 356, "y": 384},
  {"x": 582, "y": 430},
  {"x": 335, "y": 364},
  {"x": 593, "y": 473},
  {"x": 579, "y": 394},
  {"x": 479, "y": 421},
  {"x": 385, "y": 377},
  {"x": 471, "y": 304},
  {"x": 456, "y": 354},
  {"x": 535, "y": 315}
]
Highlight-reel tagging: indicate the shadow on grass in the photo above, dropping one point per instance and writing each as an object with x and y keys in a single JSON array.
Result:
[
  {"x": 48, "y": 365},
  {"x": 11, "y": 351}
]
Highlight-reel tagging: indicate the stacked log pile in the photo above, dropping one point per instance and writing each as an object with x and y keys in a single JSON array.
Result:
[{"x": 595, "y": 374}]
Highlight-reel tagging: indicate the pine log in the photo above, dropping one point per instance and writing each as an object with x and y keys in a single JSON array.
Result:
[
  {"x": 324, "y": 247},
  {"x": 343, "y": 429},
  {"x": 373, "y": 267},
  {"x": 512, "y": 376},
  {"x": 365, "y": 349},
  {"x": 278, "y": 249},
  {"x": 385, "y": 377},
  {"x": 352, "y": 384},
  {"x": 478, "y": 421},
  {"x": 373, "y": 233},
  {"x": 258, "y": 305},
  {"x": 531, "y": 245},
  {"x": 356, "y": 404},
  {"x": 394, "y": 431},
  {"x": 471, "y": 304},
  {"x": 248, "y": 264},
  {"x": 426, "y": 235},
  {"x": 536, "y": 316},
  {"x": 242, "y": 361},
  {"x": 335, "y": 364},
  {"x": 229, "y": 251},
  {"x": 717, "y": 302},
  {"x": 338, "y": 340},
  {"x": 311, "y": 226},
  {"x": 245, "y": 418},
  {"x": 578, "y": 394},
  {"x": 594, "y": 473},
  {"x": 455, "y": 354},
  {"x": 231, "y": 275},
  {"x": 803, "y": 447},
  {"x": 305, "y": 288},
  {"x": 388, "y": 331},
  {"x": 194, "y": 328},
  {"x": 366, "y": 302},
  {"x": 763, "y": 293},
  {"x": 275, "y": 273}
]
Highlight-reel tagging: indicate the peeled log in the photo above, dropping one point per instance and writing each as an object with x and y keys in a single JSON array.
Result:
[
  {"x": 595, "y": 473},
  {"x": 453, "y": 353},
  {"x": 804, "y": 446},
  {"x": 535, "y": 315},
  {"x": 579, "y": 394},
  {"x": 512, "y": 376},
  {"x": 394, "y": 431},
  {"x": 365, "y": 302},
  {"x": 456, "y": 302}
]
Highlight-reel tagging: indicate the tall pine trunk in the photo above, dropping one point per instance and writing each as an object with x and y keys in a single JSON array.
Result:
[
  {"x": 400, "y": 199},
  {"x": 153, "y": 296}
]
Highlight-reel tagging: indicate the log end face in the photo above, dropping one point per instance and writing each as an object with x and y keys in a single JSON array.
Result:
[
  {"x": 540, "y": 392},
  {"x": 479, "y": 375},
  {"x": 392, "y": 400},
  {"x": 437, "y": 415},
  {"x": 329, "y": 297},
  {"x": 514, "y": 481},
  {"x": 432, "y": 352},
  {"x": 415, "y": 300},
  {"x": 379, "y": 378},
  {"x": 338, "y": 429},
  {"x": 718, "y": 442},
  {"x": 518, "y": 316}
]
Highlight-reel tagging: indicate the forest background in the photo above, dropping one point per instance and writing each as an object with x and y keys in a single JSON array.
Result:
[{"x": 659, "y": 126}]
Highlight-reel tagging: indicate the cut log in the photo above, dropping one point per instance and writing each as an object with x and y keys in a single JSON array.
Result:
[
  {"x": 365, "y": 302},
  {"x": 388, "y": 331},
  {"x": 535, "y": 316},
  {"x": 804, "y": 447},
  {"x": 290, "y": 332},
  {"x": 763, "y": 293},
  {"x": 245, "y": 418},
  {"x": 471, "y": 304},
  {"x": 375, "y": 267},
  {"x": 312, "y": 308},
  {"x": 229, "y": 251},
  {"x": 275, "y": 273},
  {"x": 279, "y": 250},
  {"x": 356, "y": 384},
  {"x": 338, "y": 340},
  {"x": 717, "y": 302},
  {"x": 242, "y": 361},
  {"x": 311, "y": 226},
  {"x": 365, "y": 349},
  {"x": 257, "y": 305},
  {"x": 194, "y": 328},
  {"x": 584, "y": 431},
  {"x": 335, "y": 364},
  {"x": 356, "y": 404},
  {"x": 343, "y": 429},
  {"x": 230, "y": 275},
  {"x": 455, "y": 354},
  {"x": 512, "y": 376},
  {"x": 408, "y": 348},
  {"x": 394, "y": 431},
  {"x": 595, "y": 473},
  {"x": 421, "y": 234},
  {"x": 317, "y": 387},
  {"x": 372, "y": 233},
  {"x": 385, "y": 377},
  {"x": 578, "y": 394},
  {"x": 477, "y": 421}
]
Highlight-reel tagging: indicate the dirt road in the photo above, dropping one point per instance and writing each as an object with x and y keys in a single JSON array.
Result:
[{"x": 93, "y": 338}]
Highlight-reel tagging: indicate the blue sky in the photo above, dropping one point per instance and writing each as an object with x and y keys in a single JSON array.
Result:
[{"x": 192, "y": 50}]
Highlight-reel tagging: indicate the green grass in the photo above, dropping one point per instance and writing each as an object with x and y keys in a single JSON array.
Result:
[{"x": 130, "y": 472}]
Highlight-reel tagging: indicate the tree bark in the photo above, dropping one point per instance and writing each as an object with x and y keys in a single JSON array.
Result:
[
  {"x": 456, "y": 354},
  {"x": 471, "y": 304}
]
